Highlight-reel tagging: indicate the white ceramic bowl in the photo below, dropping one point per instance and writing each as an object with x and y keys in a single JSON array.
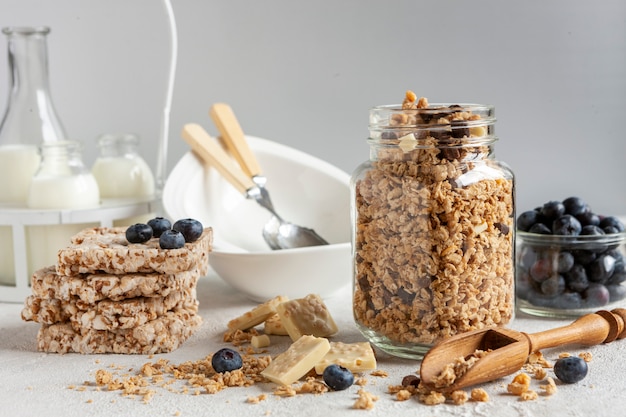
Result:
[{"x": 305, "y": 190}]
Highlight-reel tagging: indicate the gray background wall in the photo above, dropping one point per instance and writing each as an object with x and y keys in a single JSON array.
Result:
[{"x": 305, "y": 73}]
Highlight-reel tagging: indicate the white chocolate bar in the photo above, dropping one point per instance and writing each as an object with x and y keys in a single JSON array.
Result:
[
  {"x": 306, "y": 316},
  {"x": 260, "y": 341},
  {"x": 273, "y": 325},
  {"x": 296, "y": 361},
  {"x": 357, "y": 357},
  {"x": 257, "y": 315}
]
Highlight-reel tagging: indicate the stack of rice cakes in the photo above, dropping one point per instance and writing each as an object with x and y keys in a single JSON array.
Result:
[{"x": 106, "y": 295}]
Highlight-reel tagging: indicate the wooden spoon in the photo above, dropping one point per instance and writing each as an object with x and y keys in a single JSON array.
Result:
[{"x": 510, "y": 348}]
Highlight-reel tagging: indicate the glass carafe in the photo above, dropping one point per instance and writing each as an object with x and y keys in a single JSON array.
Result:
[{"x": 29, "y": 120}]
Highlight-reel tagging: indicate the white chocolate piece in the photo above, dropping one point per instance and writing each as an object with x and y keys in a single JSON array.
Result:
[
  {"x": 273, "y": 325},
  {"x": 260, "y": 341},
  {"x": 257, "y": 315},
  {"x": 357, "y": 357},
  {"x": 306, "y": 316},
  {"x": 296, "y": 361}
]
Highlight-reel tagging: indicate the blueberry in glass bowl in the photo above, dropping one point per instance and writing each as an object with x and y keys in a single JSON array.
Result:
[{"x": 570, "y": 261}]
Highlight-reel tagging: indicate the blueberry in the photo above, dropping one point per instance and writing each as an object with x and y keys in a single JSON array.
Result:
[
  {"x": 337, "y": 377},
  {"x": 575, "y": 206},
  {"x": 570, "y": 369},
  {"x": 611, "y": 221},
  {"x": 171, "y": 239},
  {"x": 527, "y": 257},
  {"x": 596, "y": 295},
  {"x": 552, "y": 210},
  {"x": 601, "y": 269},
  {"x": 540, "y": 228},
  {"x": 226, "y": 360},
  {"x": 588, "y": 218},
  {"x": 619, "y": 270},
  {"x": 159, "y": 225},
  {"x": 616, "y": 292},
  {"x": 591, "y": 230},
  {"x": 526, "y": 220},
  {"x": 609, "y": 230},
  {"x": 576, "y": 279},
  {"x": 568, "y": 300},
  {"x": 190, "y": 228},
  {"x": 541, "y": 270},
  {"x": 565, "y": 262},
  {"x": 553, "y": 286},
  {"x": 584, "y": 257},
  {"x": 138, "y": 233},
  {"x": 566, "y": 225}
]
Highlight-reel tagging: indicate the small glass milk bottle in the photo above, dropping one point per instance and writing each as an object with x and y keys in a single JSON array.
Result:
[
  {"x": 61, "y": 183},
  {"x": 432, "y": 231},
  {"x": 29, "y": 120},
  {"x": 123, "y": 176}
]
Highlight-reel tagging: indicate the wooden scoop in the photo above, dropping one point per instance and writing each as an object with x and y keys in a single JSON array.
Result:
[{"x": 510, "y": 348}]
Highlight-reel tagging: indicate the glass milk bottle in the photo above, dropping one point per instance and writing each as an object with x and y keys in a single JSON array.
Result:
[
  {"x": 61, "y": 183},
  {"x": 123, "y": 176},
  {"x": 30, "y": 119}
]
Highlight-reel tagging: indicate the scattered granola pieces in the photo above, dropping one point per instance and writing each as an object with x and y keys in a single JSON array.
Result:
[
  {"x": 361, "y": 382},
  {"x": 365, "y": 401},
  {"x": 540, "y": 373},
  {"x": 550, "y": 387},
  {"x": 257, "y": 399},
  {"x": 586, "y": 356},
  {"x": 285, "y": 391},
  {"x": 403, "y": 395},
  {"x": 459, "y": 397},
  {"x": 432, "y": 398},
  {"x": 519, "y": 385},
  {"x": 379, "y": 373},
  {"x": 537, "y": 358},
  {"x": 239, "y": 337},
  {"x": 529, "y": 395},
  {"x": 479, "y": 394},
  {"x": 564, "y": 355}
]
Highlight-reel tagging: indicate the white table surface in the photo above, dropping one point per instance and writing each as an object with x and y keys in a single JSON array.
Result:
[{"x": 35, "y": 383}]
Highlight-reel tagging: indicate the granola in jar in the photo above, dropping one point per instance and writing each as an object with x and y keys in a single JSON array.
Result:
[{"x": 433, "y": 234}]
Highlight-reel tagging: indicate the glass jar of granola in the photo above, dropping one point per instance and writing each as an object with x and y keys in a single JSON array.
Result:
[{"x": 433, "y": 232}]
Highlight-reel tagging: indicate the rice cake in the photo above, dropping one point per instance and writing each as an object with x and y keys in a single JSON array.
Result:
[
  {"x": 91, "y": 288},
  {"x": 105, "y": 249},
  {"x": 106, "y": 314},
  {"x": 161, "y": 335}
]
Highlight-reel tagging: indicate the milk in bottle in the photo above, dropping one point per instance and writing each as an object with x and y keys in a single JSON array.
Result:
[{"x": 62, "y": 182}]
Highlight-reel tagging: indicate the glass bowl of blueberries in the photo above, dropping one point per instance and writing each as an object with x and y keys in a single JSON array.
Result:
[{"x": 570, "y": 261}]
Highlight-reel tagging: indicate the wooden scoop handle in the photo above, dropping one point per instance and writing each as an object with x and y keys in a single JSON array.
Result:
[
  {"x": 232, "y": 135},
  {"x": 591, "y": 329},
  {"x": 212, "y": 153}
]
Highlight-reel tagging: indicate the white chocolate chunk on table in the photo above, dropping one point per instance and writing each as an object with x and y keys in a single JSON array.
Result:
[{"x": 296, "y": 361}]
